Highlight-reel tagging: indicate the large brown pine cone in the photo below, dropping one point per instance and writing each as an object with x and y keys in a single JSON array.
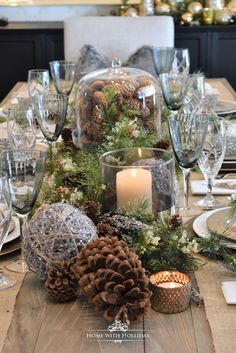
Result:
[
  {"x": 61, "y": 283},
  {"x": 112, "y": 277}
]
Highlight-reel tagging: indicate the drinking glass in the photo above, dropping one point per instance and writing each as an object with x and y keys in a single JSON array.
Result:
[
  {"x": 25, "y": 180},
  {"x": 21, "y": 131},
  {"x": 51, "y": 110},
  {"x": 187, "y": 132},
  {"x": 171, "y": 60},
  {"x": 5, "y": 219},
  {"x": 211, "y": 159},
  {"x": 38, "y": 82},
  {"x": 174, "y": 88},
  {"x": 195, "y": 95},
  {"x": 63, "y": 75}
]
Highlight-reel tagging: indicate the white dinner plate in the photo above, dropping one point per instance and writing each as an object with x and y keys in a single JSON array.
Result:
[
  {"x": 225, "y": 107},
  {"x": 201, "y": 229},
  {"x": 15, "y": 233}
]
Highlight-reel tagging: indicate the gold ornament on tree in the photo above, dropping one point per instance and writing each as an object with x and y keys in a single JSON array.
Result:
[
  {"x": 195, "y": 7},
  {"x": 187, "y": 17},
  {"x": 112, "y": 277},
  {"x": 162, "y": 8}
]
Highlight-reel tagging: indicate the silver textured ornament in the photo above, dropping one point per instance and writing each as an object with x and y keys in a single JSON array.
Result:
[{"x": 56, "y": 232}]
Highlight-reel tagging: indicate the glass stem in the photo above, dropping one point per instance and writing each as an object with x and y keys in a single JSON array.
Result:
[
  {"x": 186, "y": 174},
  {"x": 50, "y": 150},
  {"x": 209, "y": 187},
  {"x": 23, "y": 221}
]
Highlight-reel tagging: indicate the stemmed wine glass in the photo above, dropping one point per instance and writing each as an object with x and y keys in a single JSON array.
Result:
[
  {"x": 51, "y": 112},
  {"x": 63, "y": 75},
  {"x": 21, "y": 132},
  {"x": 187, "y": 132},
  {"x": 174, "y": 88},
  {"x": 171, "y": 60},
  {"x": 38, "y": 82},
  {"x": 25, "y": 180},
  {"x": 5, "y": 219},
  {"x": 211, "y": 159}
]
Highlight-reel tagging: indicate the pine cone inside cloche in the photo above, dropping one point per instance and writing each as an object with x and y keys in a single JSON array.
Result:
[
  {"x": 61, "y": 283},
  {"x": 113, "y": 278}
]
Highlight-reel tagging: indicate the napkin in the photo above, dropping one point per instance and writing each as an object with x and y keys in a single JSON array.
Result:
[
  {"x": 209, "y": 90},
  {"x": 229, "y": 291},
  {"x": 220, "y": 187}
]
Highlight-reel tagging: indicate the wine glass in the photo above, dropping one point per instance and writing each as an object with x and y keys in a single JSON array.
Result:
[
  {"x": 211, "y": 159},
  {"x": 38, "y": 82},
  {"x": 21, "y": 131},
  {"x": 25, "y": 180},
  {"x": 174, "y": 88},
  {"x": 63, "y": 75},
  {"x": 51, "y": 110},
  {"x": 5, "y": 219},
  {"x": 187, "y": 132},
  {"x": 171, "y": 60}
]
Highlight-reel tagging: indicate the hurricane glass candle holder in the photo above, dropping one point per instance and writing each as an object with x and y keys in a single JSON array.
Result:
[
  {"x": 171, "y": 291},
  {"x": 132, "y": 176}
]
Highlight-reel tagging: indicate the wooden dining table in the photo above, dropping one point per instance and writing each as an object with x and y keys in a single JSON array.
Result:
[{"x": 32, "y": 323}]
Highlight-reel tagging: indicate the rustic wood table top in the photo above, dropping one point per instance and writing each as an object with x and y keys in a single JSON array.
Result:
[{"x": 31, "y": 323}]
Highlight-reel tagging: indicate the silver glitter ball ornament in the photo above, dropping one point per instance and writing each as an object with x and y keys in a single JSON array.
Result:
[{"x": 56, "y": 232}]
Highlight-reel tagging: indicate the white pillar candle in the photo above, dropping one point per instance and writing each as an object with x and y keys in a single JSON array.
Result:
[{"x": 133, "y": 186}]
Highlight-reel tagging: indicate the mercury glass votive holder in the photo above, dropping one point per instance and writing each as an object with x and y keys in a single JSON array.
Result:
[
  {"x": 207, "y": 16},
  {"x": 171, "y": 291},
  {"x": 132, "y": 176}
]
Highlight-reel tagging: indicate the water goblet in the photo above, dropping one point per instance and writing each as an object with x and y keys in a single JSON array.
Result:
[
  {"x": 181, "y": 61},
  {"x": 187, "y": 132},
  {"x": 21, "y": 131},
  {"x": 5, "y": 219},
  {"x": 38, "y": 82},
  {"x": 174, "y": 87},
  {"x": 51, "y": 110},
  {"x": 211, "y": 159},
  {"x": 171, "y": 60},
  {"x": 63, "y": 75},
  {"x": 25, "y": 180}
]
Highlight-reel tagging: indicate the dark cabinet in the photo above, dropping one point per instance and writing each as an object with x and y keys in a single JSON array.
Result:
[
  {"x": 212, "y": 49},
  {"x": 25, "y": 49},
  {"x": 24, "y": 46}
]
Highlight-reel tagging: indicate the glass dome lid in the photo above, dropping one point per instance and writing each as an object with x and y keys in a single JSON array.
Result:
[{"x": 113, "y": 93}]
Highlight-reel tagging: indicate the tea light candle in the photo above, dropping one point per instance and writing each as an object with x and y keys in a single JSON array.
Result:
[
  {"x": 132, "y": 186},
  {"x": 169, "y": 285},
  {"x": 171, "y": 291}
]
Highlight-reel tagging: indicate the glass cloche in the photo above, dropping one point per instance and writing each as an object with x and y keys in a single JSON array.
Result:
[{"x": 106, "y": 96}]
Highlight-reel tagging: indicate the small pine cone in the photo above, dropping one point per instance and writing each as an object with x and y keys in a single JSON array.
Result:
[
  {"x": 176, "y": 221},
  {"x": 92, "y": 210},
  {"x": 105, "y": 230},
  {"x": 143, "y": 81},
  {"x": 133, "y": 104},
  {"x": 99, "y": 98},
  {"x": 97, "y": 85},
  {"x": 67, "y": 136},
  {"x": 63, "y": 191},
  {"x": 96, "y": 125},
  {"x": 113, "y": 279},
  {"x": 145, "y": 112},
  {"x": 126, "y": 89},
  {"x": 164, "y": 144},
  {"x": 61, "y": 283}
]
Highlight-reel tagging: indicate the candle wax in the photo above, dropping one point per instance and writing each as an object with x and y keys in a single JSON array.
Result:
[
  {"x": 133, "y": 186},
  {"x": 170, "y": 285}
]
